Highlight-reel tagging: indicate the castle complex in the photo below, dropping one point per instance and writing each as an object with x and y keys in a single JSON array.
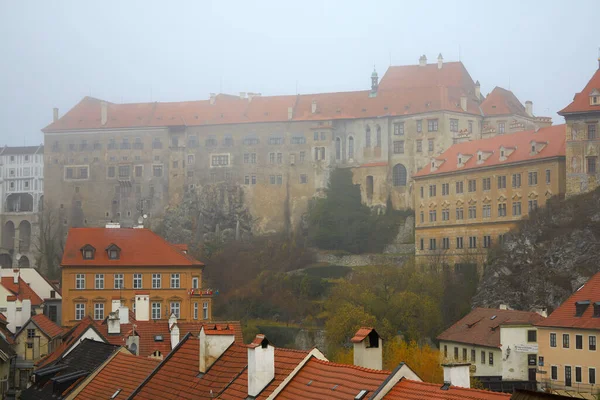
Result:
[{"x": 113, "y": 162}]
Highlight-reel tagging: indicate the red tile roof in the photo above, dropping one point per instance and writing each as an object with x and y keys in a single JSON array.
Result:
[
  {"x": 581, "y": 101},
  {"x": 138, "y": 247},
  {"x": 564, "y": 315},
  {"x": 47, "y": 326},
  {"x": 124, "y": 371},
  {"x": 406, "y": 389},
  {"x": 554, "y": 136},
  {"x": 361, "y": 334},
  {"x": 21, "y": 290},
  {"x": 319, "y": 379},
  {"x": 502, "y": 102},
  {"x": 452, "y": 74},
  {"x": 482, "y": 326}
]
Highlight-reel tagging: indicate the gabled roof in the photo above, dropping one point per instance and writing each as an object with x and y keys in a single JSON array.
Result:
[
  {"x": 319, "y": 379},
  {"x": 124, "y": 372},
  {"x": 21, "y": 290},
  {"x": 139, "y": 247},
  {"x": 452, "y": 74},
  {"x": 49, "y": 328},
  {"x": 407, "y": 389},
  {"x": 502, "y": 102},
  {"x": 481, "y": 326},
  {"x": 17, "y": 150},
  {"x": 361, "y": 334},
  {"x": 581, "y": 101},
  {"x": 564, "y": 315},
  {"x": 555, "y": 137}
]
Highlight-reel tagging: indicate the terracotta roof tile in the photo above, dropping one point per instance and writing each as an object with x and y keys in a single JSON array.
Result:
[
  {"x": 326, "y": 380},
  {"x": 565, "y": 315},
  {"x": 123, "y": 372},
  {"x": 482, "y": 326},
  {"x": 138, "y": 247},
  {"x": 406, "y": 389},
  {"x": 361, "y": 334},
  {"x": 502, "y": 102},
  {"x": 21, "y": 290},
  {"x": 47, "y": 326},
  {"x": 581, "y": 101},
  {"x": 554, "y": 136}
]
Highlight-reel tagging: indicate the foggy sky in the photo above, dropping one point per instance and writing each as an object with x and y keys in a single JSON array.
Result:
[{"x": 53, "y": 53}]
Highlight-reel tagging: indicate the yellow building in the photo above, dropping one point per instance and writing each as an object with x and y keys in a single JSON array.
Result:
[
  {"x": 568, "y": 352},
  {"x": 104, "y": 268},
  {"x": 467, "y": 198}
]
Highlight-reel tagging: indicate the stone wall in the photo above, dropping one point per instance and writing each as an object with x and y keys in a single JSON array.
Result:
[{"x": 361, "y": 260}]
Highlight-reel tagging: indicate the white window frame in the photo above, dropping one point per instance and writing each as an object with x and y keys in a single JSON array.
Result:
[
  {"x": 156, "y": 281},
  {"x": 196, "y": 310},
  {"x": 98, "y": 311},
  {"x": 156, "y": 310},
  {"x": 175, "y": 308},
  {"x": 205, "y": 310},
  {"x": 99, "y": 281},
  {"x": 175, "y": 281},
  {"x": 80, "y": 281},
  {"x": 195, "y": 282},
  {"x": 138, "y": 281},
  {"x": 79, "y": 311},
  {"x": 119, "y": 281}
]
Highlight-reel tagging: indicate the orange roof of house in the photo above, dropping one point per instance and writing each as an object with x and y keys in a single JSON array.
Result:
[
  {"x": 452, "y": 74},
  {"x": 564, "y": 315},
  {"x": 123, "y": 372},
  {"x": 407, "y": 389},
  {"x": 361, "y": 334},
  {"x": 554, "y": 136},
  {"x": 319, "y": 379},
  {"x": 21, "y": 290},
  {"x": 502, "y": 102},
  {"x": 139, "y": 247},
  {"x": 581, "y": 101},
  {"x": 47, "y": 326},
  {"x": 481, "y": 326}
]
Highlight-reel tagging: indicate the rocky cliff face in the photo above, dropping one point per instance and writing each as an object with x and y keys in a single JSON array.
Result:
[{"x": 551, "y": 255}]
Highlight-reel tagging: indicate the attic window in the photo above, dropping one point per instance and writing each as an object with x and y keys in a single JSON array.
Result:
[
  {"x": 446, "y": 385},
  {"x": 597, "y": 309},
  {"x": 479, "y": 157},
  {"x": 502, "y": 153},
  {"x": 88, "y": 252},
  {"x": 533, "y": 148},
  {"x": 460, "y": 160},
  {"x": 580, "y": 307},
  {"x": 113, "y": 251}
]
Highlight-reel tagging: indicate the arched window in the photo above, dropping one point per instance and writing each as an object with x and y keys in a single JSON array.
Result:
[
  {"x": 350, "y": 147},
  {"x": 378, "y": 143},
  {"x": 338, "y": 148},
  {"x": 368, "y": 137},
  {"x": 399, "y": 175}
]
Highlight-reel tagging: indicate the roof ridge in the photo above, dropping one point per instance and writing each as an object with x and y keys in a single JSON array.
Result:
[
  {"x": 454, "y": 387},
  {"x": 334, "y": 364}
]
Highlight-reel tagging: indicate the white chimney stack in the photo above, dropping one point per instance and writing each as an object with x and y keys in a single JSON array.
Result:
[
  {"x": 124, "y": 315},
  {"x": 423, "y": 60},
  {"x": 440, "y": 61},
  {"x": 213, "y": 98},
  {"x": 211, "y": 347},
  {"x": 15, "y": 275},
  {"x": 463, "y": 103},
  {"x": 290, "y": 113},
  {"x": 25, "y": 311},
  {"x": 115, "y": 304},
  {"x": 261, "y": 365},
  {"x": 529, "y": 108},
  {"x": 457, "y": 375},
  {"x": 112, "y": 225},
  {"x": 172, "y": 320},
  {"x": 368, "y": 348},
  {"x": 55, "y": 114},
  {"x": 314, "y": 106},
  {"x": 103, "y": 112},
  {"x": 11, "y": 313},
  {"x": 114, "y": 325},
  {"x": 242, "y": 95},
  {"x": 142, "y": 307},
  {"x": 478, "y": 90},
  {"x": 174, "y": 335}
]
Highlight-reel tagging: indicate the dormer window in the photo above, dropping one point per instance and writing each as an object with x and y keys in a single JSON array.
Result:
[
  {"x": 502, "y": 153},
  {"x": 580, "y": 307},
  {"x": 88, "y": 252},
  {"x": 533, "y": 148},
  {"x": 113, "y": 251},
  {"x": 479, "y": 157},
  {"x": 595, "y": 97},
  {"x": 459, "y": 160}
]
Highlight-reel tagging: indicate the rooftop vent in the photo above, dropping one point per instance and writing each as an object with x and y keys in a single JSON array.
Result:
[
  {"x": 309, "y": 383},
  {"x": 115, "y": 394},
  {"x": 158, "y": 338},
  {"x": 361, "y": 395},
  {"x": 445, "y": 386},
  {"x": 493, "y": 317},
  {"x": 334, "y": 387}
]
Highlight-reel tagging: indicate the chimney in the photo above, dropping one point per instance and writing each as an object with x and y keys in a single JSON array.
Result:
[
  {"x": 133, "y": 344},
  {"x": 440, "y": 61},
  {"x": 212, "y": 347},
  {"x": 504, "y": 307},
  {"x": 261, "y": 365},
  {"x": 423, "y": 60},
  {"x": 529, "y": 108},
  {"x": 25, "y": 311},
  {"x": 174, "y": 334},
  {"x": 11, "y": 313},
  {"x": 314, "y": 107},
  {"x": 103, "y": 112},
  {"x": 55, "y": 114},
  {"x": 290, "y": 113},
  {"x": 457, "y": 375},
  {"x": 242, "y": 95},
  {"x": 478, "y": 90},
  {"x": 114, "y": 325},
  {"x": 115, "y": 304},
  {"x": 463, "y": 103},
  {"x": 124, "y": 315},
  {"x": 541, "y": 311},
  {"x": 368, "y": 349},
  {"x": 142, "y": 307},
  {"x": 172, "y": 320},
  {"x": 213, "y": 98},
  {"x": 15, "y": 275}
]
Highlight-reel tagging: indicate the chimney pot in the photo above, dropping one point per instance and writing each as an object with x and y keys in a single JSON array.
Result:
[
  {"x": 368, "y": 350},
  {"x": 114, "y": 326},
  {"x": 529, "y": 108},
  {"x": 440, "y": 61},
  {"x": 290, "y": 113},
  {"x": 103, "y": 113},
  {"x": 55, "y": 114},
  {"x": 213, "y": 98},
  {"x": 314, "y": 106},
  {"x": 457, "y": 374},
  {"x": 423, "y": 60},
  {"x": 142, "y": 307},
  {"x": 261, "y": 365},
  {"x": 211, "y": 348}
]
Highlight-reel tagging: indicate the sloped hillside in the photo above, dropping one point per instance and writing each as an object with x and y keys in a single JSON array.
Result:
[{"x": 551, "y": 254}]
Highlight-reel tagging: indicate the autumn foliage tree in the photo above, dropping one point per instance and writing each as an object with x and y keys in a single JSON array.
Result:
[{"x": 422, "y": 359}]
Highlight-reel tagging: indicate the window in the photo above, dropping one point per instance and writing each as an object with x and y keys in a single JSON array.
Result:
[
  {"x": 205, "y": 310},
  {"x": 578, "y": 374},
  {"x": 137, "y": 281},
  {"x": 502, "y": 182},
  {"x": 483, "y": 357},
  {"x": 30, "y": 333},
  {"x": 487, "y": 211},
  {"x": 68, "y": 173},
  {"x": 419, "y": 146},
  {"x": 548, "y": 176},
  {"x": 456, "y": 353},
  {"x": 432, "y": 190},
  {"x": 460, "y": 213},
  {"x": 432, "y": 244},
  {"x": 553, "y": 340},
  {"x": 472, "y": 242},
  {"x": 279, "y": 179},
  {"x": 502, "y": 209},
  {"x": 422, "y": 217},
  {"x": 422, "y": 191},
  {"x": 399, "y": 175},
  {"x": 487, "y": 183},
  {"x": 554, "y": 373},
  {"x": 565, "y": 340},
  {"x": 430, "y": 145},
  {"x": 532, "y": 178},
  {"x": 156, "y": 311},
  {"x": 591, "y": 131},
  {"x": 432, "y": 125},
  {"x": 302, "y": 155},
  {"x": 125, "y": 144},
  {"x": 79, "y": 311},
  {"x": 80, "y": 281},
  {"x": 157, "y": 171},
  {"x": 419, "y": 125},
  {"x": 303, "y": 178},
  {"x": 211, "y": 142},
  {"x": 459, "y": 187},
  {"x": 220, "y": 160},
  {"x": 399, "y": 128},
  {"x": 378, "y": 137},
  {"x": 176, "y": 309},
  {"x": 99, "y": 311},
  {"x": 516, "y": 208},
  {"x": 319, "y": 153},
  {"x": 113, "y": 253},
  {"x": 516, "y": 180},
  {"x": 99, "y": 281},
  {"x": 139, "y": 171},
  {"x": 445, "y": 189},
  {"x": 472, "y": 212},
  {"x": 445, "y": 243},
  {"x": 251, "y": 141},
  {"x": 592, "y": 376},
  {"x": 156, "y": 143},
  {"x": 247, "y": 180},
  {"x": 118, "y": 281},
  {"x": 192, "y": 141},
  {"x": 123, "y": 171},
  {"x": 470, "y": 126},
  {"x": 532, "y": 205},
  {"x": 228, "y": 141},
  {"x": 399, "y": 147},
  {"x": 591, "y": 164},
  {"x": 272, "y": 179},
  {"x": 276, "y": 140},
  {"x": 422, "y": 241},
  {"x": 567, "y": 376},
  {"x": 271, "y": 158},
  {"x": 459, "y": 242},
  {"x": 532, "y": 336},
  {"x": 368, "y": 137},
  {"x": 491, "y": 358},
  {"x": 195, "y": 310},
  {"x": 432, "y": 215},
  {"x": 592, "y": 343},
  {"x": 445, "y": 215},
  {"x": 453, "y": 125},
  {"x": 445, "y": 351},
  {"x": 472, "y": 185},
  {"x": 298, "y": 140},
  {"x": 175, "y": 281},
  {"x": 323, "y": 135},
  {"x": 501, "y": 127},
  {"x": 579, "y": 342},
  {"x": 253, "y": 179},
  {"x": 156, "y": 281},
  {"x": 464, "y": 354}
]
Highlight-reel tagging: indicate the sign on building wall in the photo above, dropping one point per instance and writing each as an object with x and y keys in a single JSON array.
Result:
[{"x": 526, "y": 348}]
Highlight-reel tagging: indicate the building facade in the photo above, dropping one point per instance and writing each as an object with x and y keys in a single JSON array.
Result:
[
  {"x": 113, "y": 162},
  {"x": 583, "y": 138},
  {"x": 471, "y": 195},
  {"x": 132, "y": 266},
  {"x": 21, "y": 189}
]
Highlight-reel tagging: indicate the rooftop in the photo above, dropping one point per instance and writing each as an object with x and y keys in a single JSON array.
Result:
[
  {"x": 502, "y": 102},
  {"x": 46, "y": 325},
  {"x": 21, "y": 290},
  {"x": 581, "y": 100},
  {"x": 407, "y": 389}
]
